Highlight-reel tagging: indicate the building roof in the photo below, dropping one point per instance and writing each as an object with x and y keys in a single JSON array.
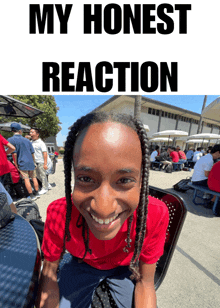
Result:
[
  {"x": 151, "y": 103},
  {"x": 212, "y": 111}
]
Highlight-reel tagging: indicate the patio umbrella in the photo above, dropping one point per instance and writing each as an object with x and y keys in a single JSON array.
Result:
[
  {"x": 170, "y": 133},
  {"x": 197, "y": 141},
  {"x": 14, "y": 108},
  {"x": 7, "y": 127},
  {"x": 204, "y": 136},
  {"x": 161, "y": 139}
]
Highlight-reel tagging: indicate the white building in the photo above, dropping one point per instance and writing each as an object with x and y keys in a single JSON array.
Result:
[{"x": 160, "y": 116}]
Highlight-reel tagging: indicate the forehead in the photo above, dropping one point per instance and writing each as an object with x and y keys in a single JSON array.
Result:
[{"x": 106, "y": 140}]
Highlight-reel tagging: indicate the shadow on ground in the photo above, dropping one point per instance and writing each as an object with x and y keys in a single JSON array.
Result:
[{"x": 198, "y": 210}]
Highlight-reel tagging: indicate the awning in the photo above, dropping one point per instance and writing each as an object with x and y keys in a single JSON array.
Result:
[{"x": 13, "y": 108}]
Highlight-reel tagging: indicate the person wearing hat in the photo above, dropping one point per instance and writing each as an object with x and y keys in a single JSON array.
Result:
[{"x": 24, "y": 159}]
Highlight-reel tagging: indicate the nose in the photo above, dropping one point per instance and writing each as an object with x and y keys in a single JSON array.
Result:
[{"x": 104, "y": 202}]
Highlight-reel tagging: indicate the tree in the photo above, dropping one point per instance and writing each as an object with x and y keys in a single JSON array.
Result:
[
  {"x": 47, "y": 123},
  {"x": 137, "y": 107}
]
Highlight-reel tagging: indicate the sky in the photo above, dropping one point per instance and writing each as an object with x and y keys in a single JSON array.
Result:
[{"x": 72, "y": 107}]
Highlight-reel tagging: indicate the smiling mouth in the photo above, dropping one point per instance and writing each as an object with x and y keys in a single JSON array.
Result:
[{"x": 104, "y": 221}]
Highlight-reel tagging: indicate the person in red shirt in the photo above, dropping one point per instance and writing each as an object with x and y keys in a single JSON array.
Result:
[
  {"x": 109, "y": 225},
  {"x": 182, "y": 155},
  {"x": 214, "y": 181},
  {"x": 174, "y": 155},
  {"x": 4, "y": 169},
  {"x": 214, "y": 177}
]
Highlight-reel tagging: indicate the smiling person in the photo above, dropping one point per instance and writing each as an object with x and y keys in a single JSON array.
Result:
[
  {"x": 42, "y": 160},
  {"x": 112, "y": 229}
]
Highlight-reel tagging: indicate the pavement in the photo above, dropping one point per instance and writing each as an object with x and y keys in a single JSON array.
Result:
[{"x": 193, "y": 277}]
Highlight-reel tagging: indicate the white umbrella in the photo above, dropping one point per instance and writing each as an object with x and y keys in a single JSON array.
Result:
[
  {"x": 7, "y": 127},
  {"x": 197, "y": 141},
  {"x": 204, "y": 136},
  {"x": 161, "y": 139},
  {"x": 170, "y": 133}
]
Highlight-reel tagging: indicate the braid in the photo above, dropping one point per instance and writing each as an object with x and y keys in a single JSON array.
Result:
[
  {"x": 136, "y": 125},
  {"x": 68, "y": 163},
  {"x": 143, "y": 203}
]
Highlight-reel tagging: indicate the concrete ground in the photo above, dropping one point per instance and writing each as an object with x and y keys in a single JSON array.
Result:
[{"x": 193, "y": 277}]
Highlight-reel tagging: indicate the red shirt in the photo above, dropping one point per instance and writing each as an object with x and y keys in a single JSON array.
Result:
[
  {"x": 14, "y": 172},
  {"x": 182, "y": 155},
  {"x": 175, "y": 157},
  {"x": 105, "y": 254},
  {"x": 214, "y": 177},
  {"x": 3, "y": 157}
]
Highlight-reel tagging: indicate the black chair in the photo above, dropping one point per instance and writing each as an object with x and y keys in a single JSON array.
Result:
[
  {"x": 20, "y": 263},
  {"x": 177, "y": 213}
]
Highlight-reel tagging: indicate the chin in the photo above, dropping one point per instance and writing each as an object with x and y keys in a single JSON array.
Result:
[{"x": 104, "y": 236}]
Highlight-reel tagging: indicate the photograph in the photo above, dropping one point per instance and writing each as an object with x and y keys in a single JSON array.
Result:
[
  {"x": 109, "y": 154},
  {"x": 109, "y": 201}
]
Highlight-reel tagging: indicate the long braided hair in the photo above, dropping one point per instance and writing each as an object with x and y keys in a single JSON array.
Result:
[{"x": 76, "y": 129}]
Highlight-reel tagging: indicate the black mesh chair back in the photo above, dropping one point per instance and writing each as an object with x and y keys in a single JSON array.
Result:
[{"x": 177, "y": 213}]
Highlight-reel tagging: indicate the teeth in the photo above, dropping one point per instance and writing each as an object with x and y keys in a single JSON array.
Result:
[{"x": 106, "y": 221}]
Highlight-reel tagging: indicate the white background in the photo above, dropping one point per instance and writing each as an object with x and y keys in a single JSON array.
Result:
[{"x": 22, "y": 54}]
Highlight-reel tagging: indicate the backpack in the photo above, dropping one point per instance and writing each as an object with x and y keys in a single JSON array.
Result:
[
  {"x": 38, "y": 226},
  {"x": 182, "y": 185},
  {"x": 169, "y": 168},
  {"x": 28, "y": 209}
]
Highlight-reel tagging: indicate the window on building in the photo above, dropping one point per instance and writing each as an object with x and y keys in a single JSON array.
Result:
[{"x": 149, "y": 110}]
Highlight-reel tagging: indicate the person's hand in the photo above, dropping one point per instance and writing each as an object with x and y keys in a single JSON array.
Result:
[{"x": 45, "y": 167}]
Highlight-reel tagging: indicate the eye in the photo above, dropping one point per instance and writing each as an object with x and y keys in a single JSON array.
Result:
[
  {"x": 84, "y": 179},
  {"x": 125, "y": 181}
]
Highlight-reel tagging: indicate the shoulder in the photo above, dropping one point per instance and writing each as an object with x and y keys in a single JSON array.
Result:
[
  {"x": 3, "y": 139},
  {"x": 10, "y": 139},
  {"x": 157, "y": 210},
  {"x": 57, "y": 207}
]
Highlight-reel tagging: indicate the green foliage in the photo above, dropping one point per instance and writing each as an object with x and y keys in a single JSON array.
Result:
[
  {"x": 47, "y": 123},
  {"x": 61, "y": 152}
]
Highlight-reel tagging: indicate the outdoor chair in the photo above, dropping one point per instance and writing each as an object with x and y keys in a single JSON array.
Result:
[
  {"x": 20, "y": 263},
  {"x": 177, "y": 212}
]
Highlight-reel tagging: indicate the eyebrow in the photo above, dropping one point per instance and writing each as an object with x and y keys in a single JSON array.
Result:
[{"x": 121, "y": 171}]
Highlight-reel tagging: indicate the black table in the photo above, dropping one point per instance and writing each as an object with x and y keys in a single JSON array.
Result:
[{"x": 20, "y": 263}]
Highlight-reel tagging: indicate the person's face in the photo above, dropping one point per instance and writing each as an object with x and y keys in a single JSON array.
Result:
[
  {"x": 34, "y": 135},
  {"x": 168, "y": 150},
  {"x": 177, "y": 149},
  {"x": 216, "y": 155},
  {"x": 107, "y": 169}
]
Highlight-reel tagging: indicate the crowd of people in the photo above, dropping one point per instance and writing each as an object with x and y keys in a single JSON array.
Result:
[
  {"x": 30, "y": 164},
  {"x": 169, "y": 156},
  {"x": 206, "y": 165}
]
